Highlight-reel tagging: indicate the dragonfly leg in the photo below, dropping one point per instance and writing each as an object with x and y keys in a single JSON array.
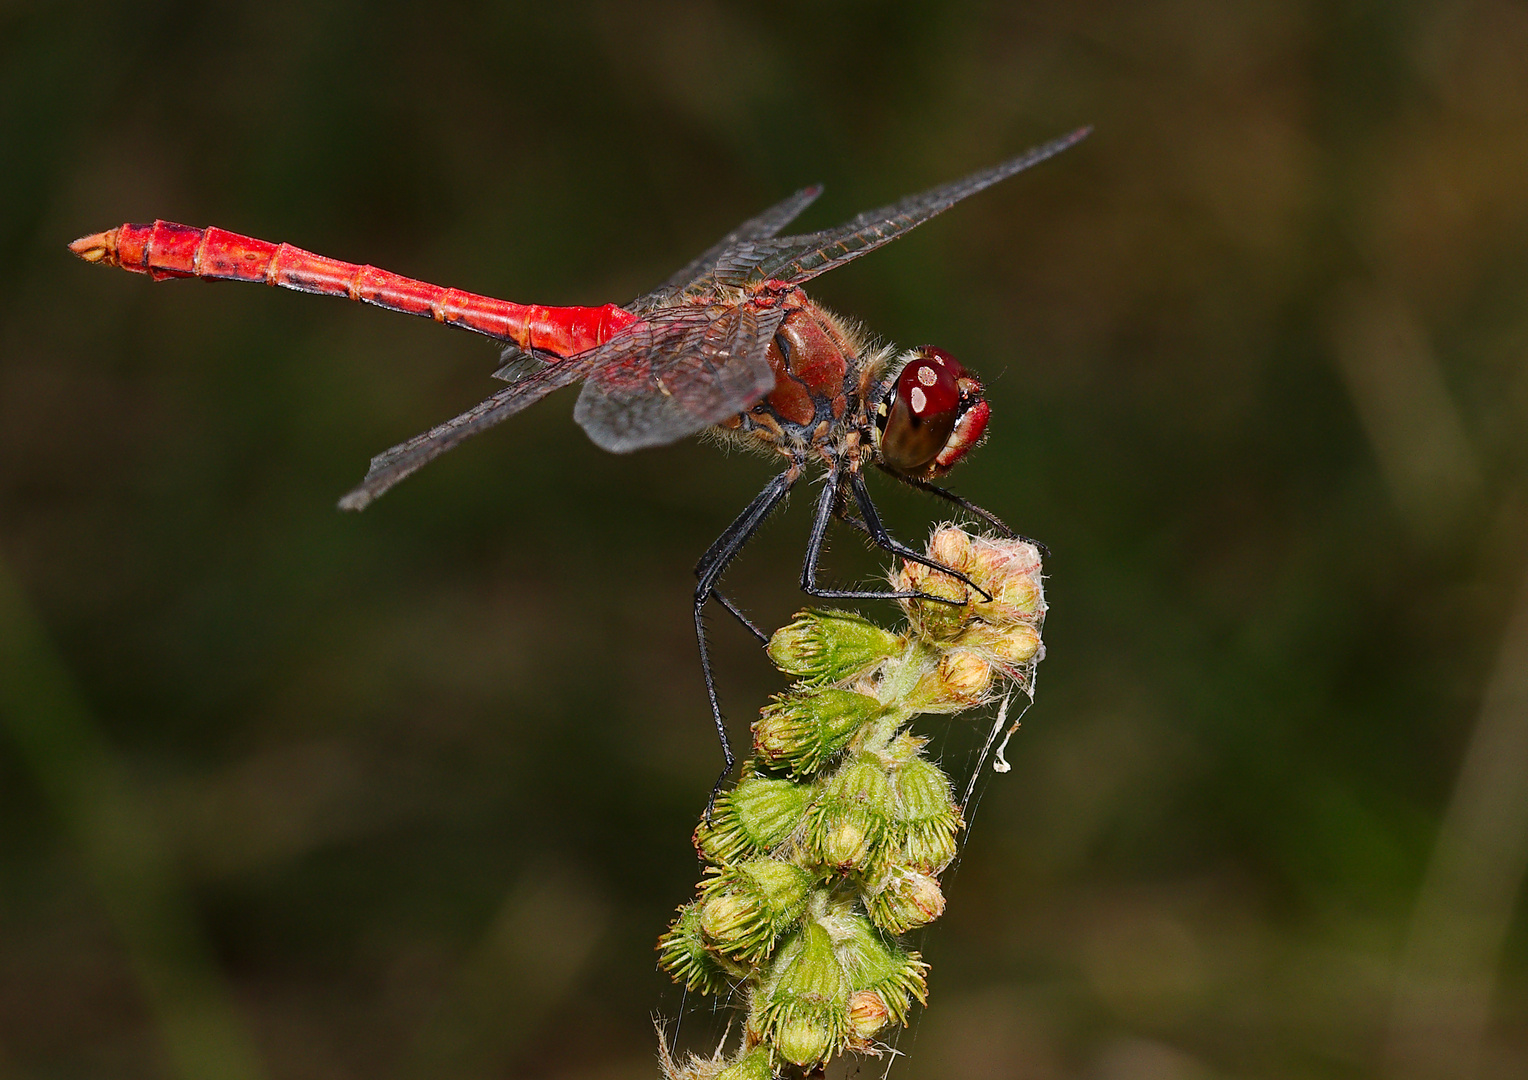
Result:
[
  {"x": 830, "y": 505},
  {"x": 737, "y": 613},
  {"x": 887, "y": 542},
  {"x": 708, "y": 570},
  {"x": 967, "y": 505}
]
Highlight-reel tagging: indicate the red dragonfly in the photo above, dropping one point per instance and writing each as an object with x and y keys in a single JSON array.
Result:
[{"x": 729, "y": 343}]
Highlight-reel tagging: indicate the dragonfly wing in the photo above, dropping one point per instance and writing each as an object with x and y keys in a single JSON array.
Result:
[
  {"x": 794, "y": 259},
  {"x": 391, "y": 466},
  {"x": 697, "y": 273},
  {"x": 680, "y": 372},
  {"x": 655, "y": 382},
  {"x": 515, "y": 363}
]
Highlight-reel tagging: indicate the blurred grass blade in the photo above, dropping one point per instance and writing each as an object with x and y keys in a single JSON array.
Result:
[
  {"x": 1447, "y": 978},
  {"x": 45, "y": 715},
  {"x": 527, "y": 965},
  {"x": 1404, "y": 404}
]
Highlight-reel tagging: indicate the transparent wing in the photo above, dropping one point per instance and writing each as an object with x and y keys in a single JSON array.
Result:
[
  {"x": 516, "y": 363},
  {"x": 794, "y": 259},
  {"x": 668, "y": 377},
  {"x": 697, "y": 274},
  {"x": 390, "y": 466},
  {"x": 683, "y": 370}
]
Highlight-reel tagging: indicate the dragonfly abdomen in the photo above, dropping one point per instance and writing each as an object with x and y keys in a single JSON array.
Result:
[{"x": 166, "y": 249}]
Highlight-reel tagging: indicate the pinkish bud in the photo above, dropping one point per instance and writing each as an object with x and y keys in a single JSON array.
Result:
[
  {"x": 950, "y": 546},
  {"x": 867, "y": 1014},
  {"x": 966, "y": 676}
]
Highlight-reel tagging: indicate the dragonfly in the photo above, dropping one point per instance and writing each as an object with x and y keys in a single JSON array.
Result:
[{"x": 729, "y": 343}]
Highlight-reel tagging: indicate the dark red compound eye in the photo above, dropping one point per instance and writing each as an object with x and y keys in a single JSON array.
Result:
[{"x": 922, "y": 411}]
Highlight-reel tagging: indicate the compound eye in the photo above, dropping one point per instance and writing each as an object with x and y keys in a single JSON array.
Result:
[{"x": 923, "y": 410}]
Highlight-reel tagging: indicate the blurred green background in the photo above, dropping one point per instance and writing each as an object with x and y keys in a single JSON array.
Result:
[{"x": 292, "y": 794}]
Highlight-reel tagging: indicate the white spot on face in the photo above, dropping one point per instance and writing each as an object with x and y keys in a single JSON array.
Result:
[
  {"x": 918, "y": 399},
  {"x": 927, "y": 376}
]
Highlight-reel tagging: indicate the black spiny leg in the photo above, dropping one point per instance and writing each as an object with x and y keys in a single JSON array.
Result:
[
  {"x": 967, "y": 505},
  {"x": 708, "y": 570},
  {"x": 884, "y": 539},
  {"x": 737, "y": 613},
  {"x": 829, "y": 505}
]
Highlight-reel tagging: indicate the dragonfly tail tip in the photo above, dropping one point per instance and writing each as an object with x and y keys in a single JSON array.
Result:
[{"x": 97, "y": 247}]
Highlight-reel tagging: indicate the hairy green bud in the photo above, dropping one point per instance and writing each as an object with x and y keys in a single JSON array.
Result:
[
  {"x": 848, "y": 823},
  {"x": 682, "y": 952},
  {"x": 872, "y": 962},
  {"x": 753, "y": 1066},
  {"x": 802, "y": 730},
  {"x": 927, "y": 818},
  {"x": 830, "y": 646},
  {"x": 751, "y": 820},
  {"x": 804, "y": 1006},
  {"x": 906, "y": 899},
  {"x": 933, "y": 618},
  {"x": 745, "y": 908}
]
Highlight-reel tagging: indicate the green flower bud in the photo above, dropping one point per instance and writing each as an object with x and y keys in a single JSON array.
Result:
[
  {"x": 927, "y": 817},
  {"x": 745, "y": 908},
  {"x": 754, "y": 1065},
  {"x": 906, "y": 899},
  {"x": 803, "y": 1039},
  {"x": 803, "y": 729},
  {"x": 683, "y": 954},
  {"x": 830, "y": 646},
  {"x": 848, "y": 823},
  {"x": 871, "y": 962},
  {"x": 904, "y": 748},
  {"x": 751, "y": 819},
  {"x": 804, "y": 1004}
]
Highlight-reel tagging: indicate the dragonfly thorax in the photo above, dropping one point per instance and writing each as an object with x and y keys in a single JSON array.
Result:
[{"x": 818, "y": 360}]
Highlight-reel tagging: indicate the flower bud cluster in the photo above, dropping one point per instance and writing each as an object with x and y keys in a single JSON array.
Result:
[
  {"x": 985, "y": 638},
  {"x": 833, "y": 841}
]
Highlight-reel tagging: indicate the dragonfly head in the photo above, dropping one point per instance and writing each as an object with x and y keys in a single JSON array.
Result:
[{"x": 928, "y": 414}]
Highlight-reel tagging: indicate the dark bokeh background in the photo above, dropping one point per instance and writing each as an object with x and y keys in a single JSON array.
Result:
[{"x": 291, "y": 794}]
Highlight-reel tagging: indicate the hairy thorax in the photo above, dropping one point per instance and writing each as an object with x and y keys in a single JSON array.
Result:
[{"x": 822, "y": 369}]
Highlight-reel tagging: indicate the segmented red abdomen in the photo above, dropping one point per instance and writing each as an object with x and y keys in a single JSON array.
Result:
[{"x": 167, "y": 250}]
